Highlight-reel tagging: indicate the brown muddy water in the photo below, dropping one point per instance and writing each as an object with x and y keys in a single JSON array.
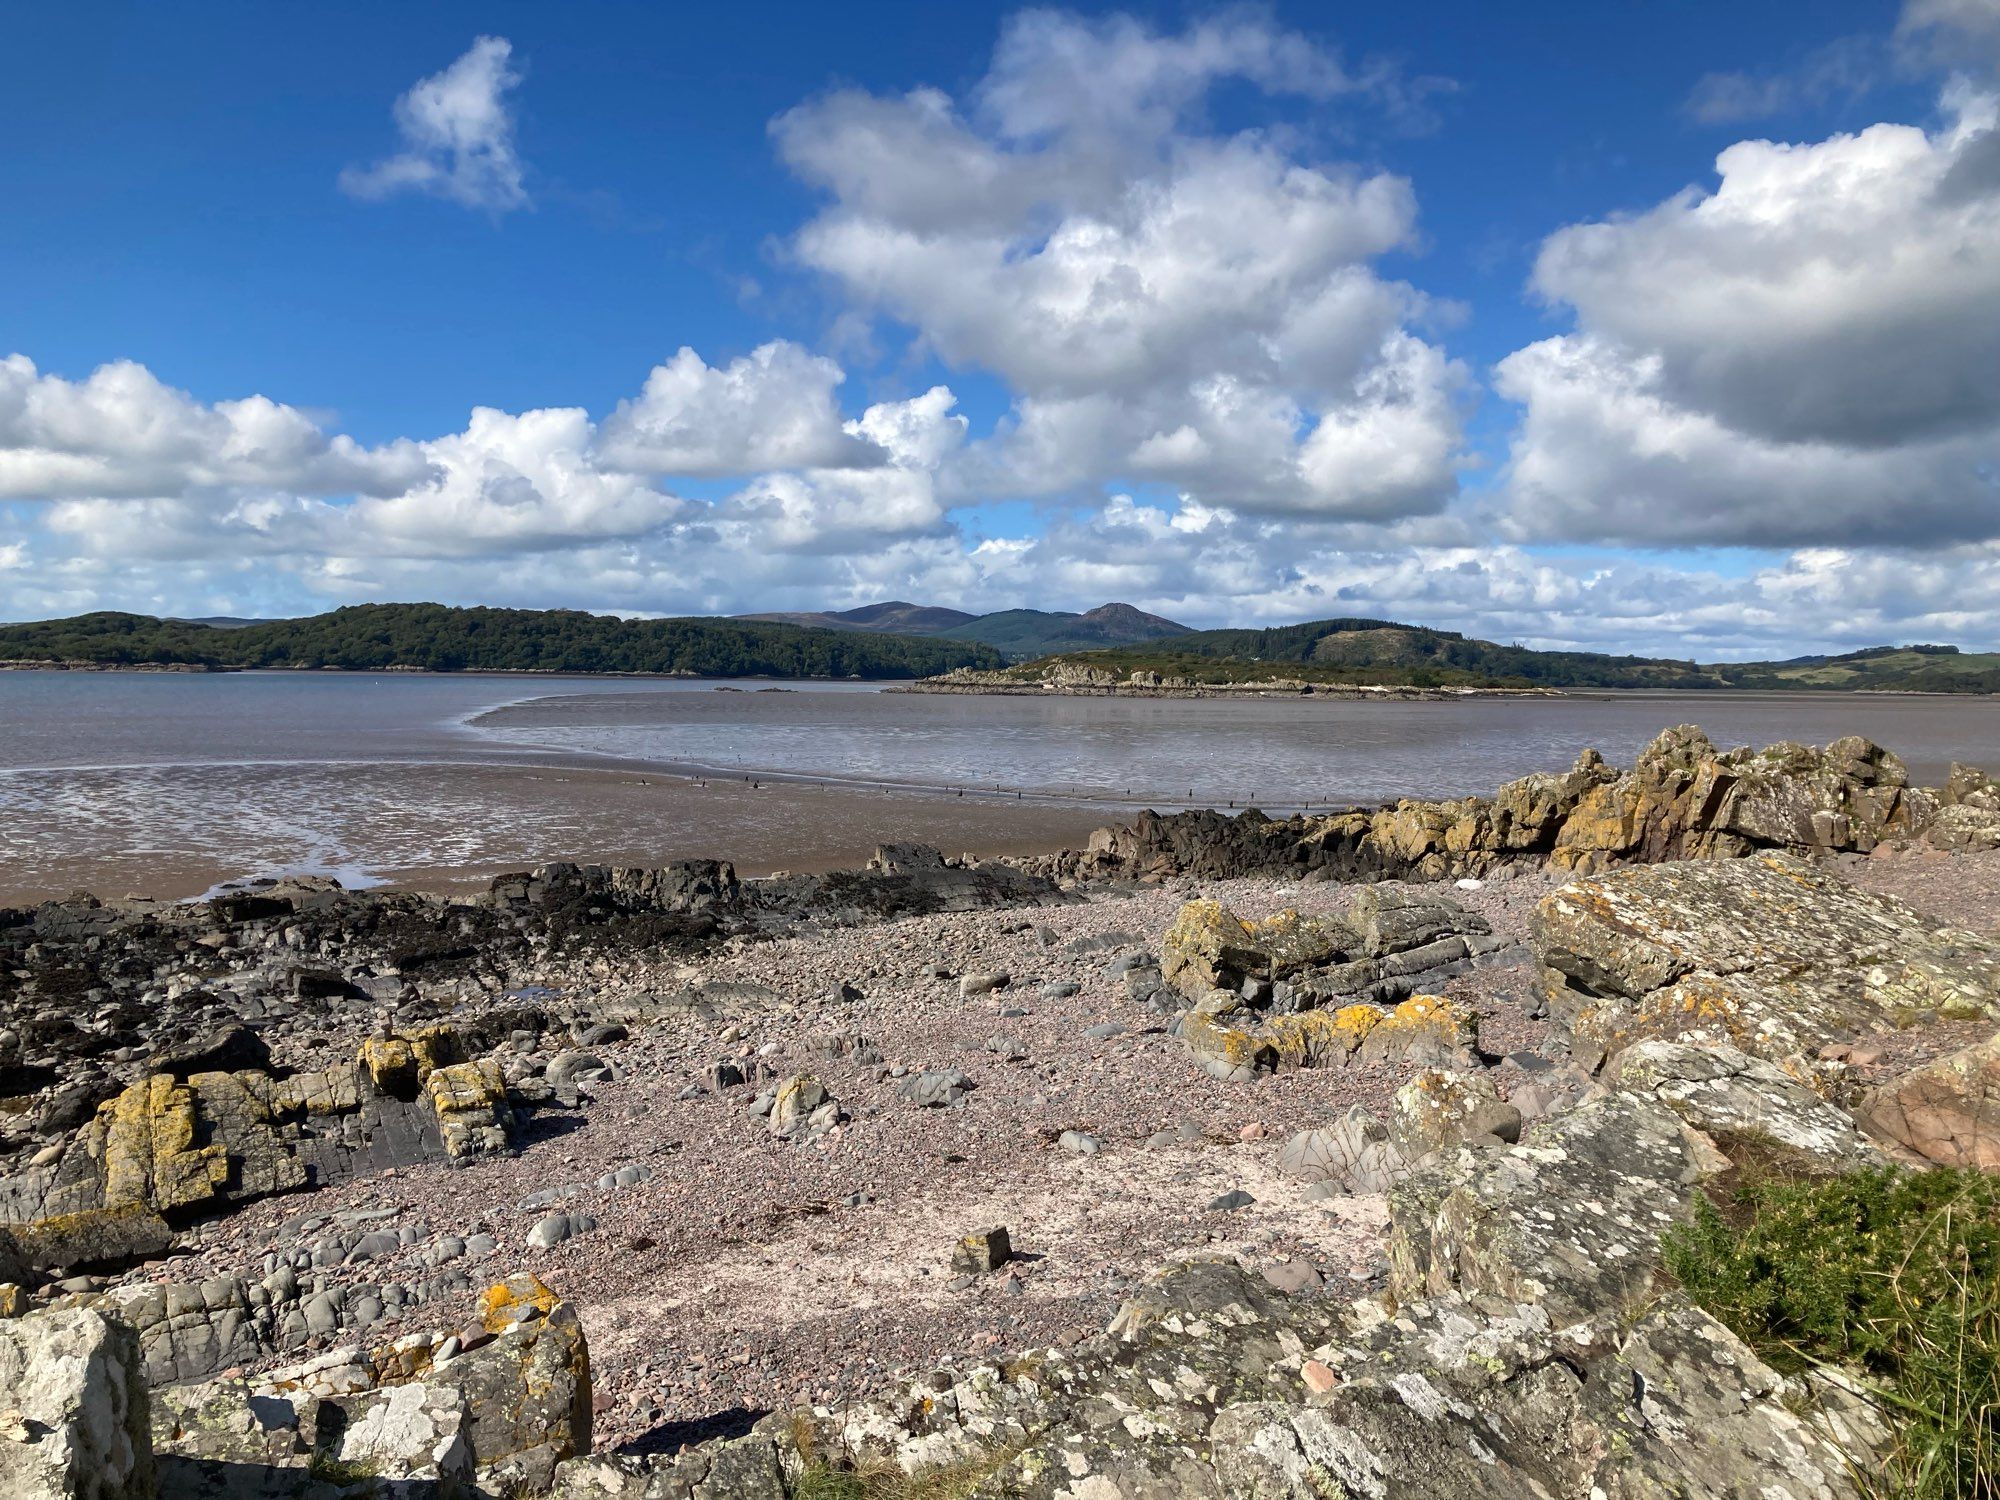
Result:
[{"x": 169, "y": 784}]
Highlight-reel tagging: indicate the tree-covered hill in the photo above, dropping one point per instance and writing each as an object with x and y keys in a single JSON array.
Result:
[
  {"x": 1022, "y": 633},
  {"x": 1386, "y": 652},
  {"x": 437, "y": 638}
]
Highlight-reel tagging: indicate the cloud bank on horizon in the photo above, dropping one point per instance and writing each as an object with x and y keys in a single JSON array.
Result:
[{"x": 1222, "y": 393}]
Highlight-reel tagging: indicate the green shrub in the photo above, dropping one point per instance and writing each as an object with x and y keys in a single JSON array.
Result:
[{"x": 1893, "y": 1274}]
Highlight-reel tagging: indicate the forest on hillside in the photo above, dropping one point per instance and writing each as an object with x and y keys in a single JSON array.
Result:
[{"x": 438, "y": 638}]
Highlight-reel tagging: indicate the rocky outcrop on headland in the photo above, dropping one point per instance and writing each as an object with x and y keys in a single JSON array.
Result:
[
  {"x": 1078, "y": 679},
  {"x": 1682, "y": 799}
]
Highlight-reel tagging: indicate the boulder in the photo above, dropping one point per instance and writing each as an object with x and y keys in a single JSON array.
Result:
[
  {"x": 1947, "y": 1112},
  {"x": 1232, "y": 1042},
  {"x": 1210, "y": 947},
  {"x": 413, "y": 1417},
  {"x": 73, "y": 1409},
  {"x": 474, "y": 1116},
  {"x": 1353, "y": 1154},
  {"x": 1773, "y": 955},
  {"x": 1968, "y": 815},
  {"x": 802, "y": 1106},
  {"x": 1385, "y": 949},
  {"x": 977, "y": 1254},
  {"x": 1439, "y": 1108}
]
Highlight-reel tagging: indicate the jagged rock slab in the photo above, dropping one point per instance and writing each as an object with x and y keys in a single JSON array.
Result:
[
  {"x": 1210, "y": 1384},
  {"x": 745, "y": 1468},
  {"x": 1389, "y": 946},
  {"x": 1448, "y": 1401},
  {"x": 1772, "y": 955},
  {"x": 73, "y": 1410},
  {"x": 1210, "y": 947},
  {"x": 1569, "y": 1220},
  {"x": 1725, "y": 1093}
]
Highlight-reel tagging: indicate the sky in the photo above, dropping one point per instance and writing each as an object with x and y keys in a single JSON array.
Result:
[{"x": 1660, "y": 328}]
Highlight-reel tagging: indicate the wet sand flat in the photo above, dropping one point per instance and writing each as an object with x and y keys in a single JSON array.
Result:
[{"x": 177, "y": 832}]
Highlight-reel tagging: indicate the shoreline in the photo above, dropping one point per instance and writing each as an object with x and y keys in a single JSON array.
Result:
[
  {"x": 204, "y": 669},
  {"x": 620, "y": 815},
  {"x": 1277, "y": 689},
  {"x": 748, "y": 1129}
]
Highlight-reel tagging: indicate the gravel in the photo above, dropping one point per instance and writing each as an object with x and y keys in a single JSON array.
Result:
[{"x": 720, "y": 1269}]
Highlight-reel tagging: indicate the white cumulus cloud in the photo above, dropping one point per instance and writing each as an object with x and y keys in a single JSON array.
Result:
[
  {"x": 1802, "y": 356},
  {"x": 774, "y": 408},
  {"x": 122, "y": 432},
  {"x": 1161, "y": 303},
  {"x": 458, "y": 136}
]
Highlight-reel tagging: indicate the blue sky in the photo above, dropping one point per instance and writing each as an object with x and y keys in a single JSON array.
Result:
[{"x": 1250, "y": 325}]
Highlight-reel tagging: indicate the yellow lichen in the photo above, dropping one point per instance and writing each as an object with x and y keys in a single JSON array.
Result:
[{"x": 502, "y": 1304}]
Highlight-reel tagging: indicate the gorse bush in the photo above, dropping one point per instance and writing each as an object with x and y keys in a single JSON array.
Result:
[{"x": 1895, "y": 1275}]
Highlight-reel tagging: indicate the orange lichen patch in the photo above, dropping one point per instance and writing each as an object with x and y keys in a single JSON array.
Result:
[
  {"x": 1231, "y": 1044},
  {"x": 401, "y": 1065},
  {"x": 1789, "y": 869},
  {"x": 502, "y": 1304},
  {"x": 390, "y": 1063},
  {"x": 150, "y": 1155},
  {"x": 1431, "y": 1013},
  {"x": 435, "y": 1047},
  {"x": 1314, "y": 1038},
  {"x": 405, "y": 1359}
]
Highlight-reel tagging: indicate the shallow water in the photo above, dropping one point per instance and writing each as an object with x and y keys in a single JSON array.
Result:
[{"x": 171, "y": 783}]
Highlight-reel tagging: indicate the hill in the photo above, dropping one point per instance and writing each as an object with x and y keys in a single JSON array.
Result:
[
  {"x": 1018, "y": 633},
  {"x": 895, "y": 617},
  {"x": 1039, "y": 632},
  {"x": 1367, "y": 651},
  {"x": 434, "y": 637}
]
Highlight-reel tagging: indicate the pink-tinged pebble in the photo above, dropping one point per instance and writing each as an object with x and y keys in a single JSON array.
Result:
[
  {"x": 1254, "y": 1131},
  {"x": 1318, "y": 1378}
]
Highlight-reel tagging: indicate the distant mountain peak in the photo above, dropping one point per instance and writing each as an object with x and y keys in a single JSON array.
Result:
[{"x": 1131, "y": 616}]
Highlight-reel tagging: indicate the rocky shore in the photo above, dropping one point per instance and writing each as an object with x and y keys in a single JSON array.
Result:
[{"x": 1318, "y": 1157}]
